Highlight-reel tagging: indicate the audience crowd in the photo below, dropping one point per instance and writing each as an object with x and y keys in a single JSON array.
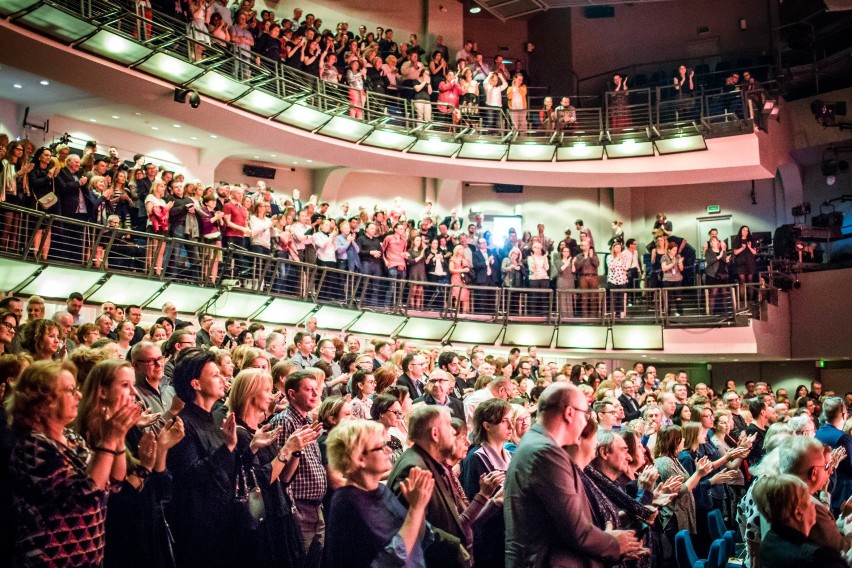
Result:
[
  {"x": 193, "y": 442},
  {"x": 217, "y": 225}
]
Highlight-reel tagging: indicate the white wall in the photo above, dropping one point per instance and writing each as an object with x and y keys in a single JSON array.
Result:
[
  {"x": 9, "y": 119},
  {"x": 231, "y": 170}
]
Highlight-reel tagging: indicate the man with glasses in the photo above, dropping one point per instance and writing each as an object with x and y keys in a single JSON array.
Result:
[
  {"x": 202, "y": 337},
  {"x": 438, "y": 388},
  {"x": 832, "y": 435},
  {"x": 157, "y": 398},
  {"x": 134, "y": 314},
  {"x": 327, "y": 351},
  {"x": 807, "y": 459},
  {"x": 413, "y": 375},
  {"x": 179, "y": 340},
  {"x": 628, "y": 401},
  {"x": 548, "y": 515},
  {"x": 607, "y": 414}
]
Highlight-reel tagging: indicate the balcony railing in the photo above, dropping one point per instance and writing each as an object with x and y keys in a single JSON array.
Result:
[
  {"x": 168, "y": 48},
  {"x": 36, "y": 237}
]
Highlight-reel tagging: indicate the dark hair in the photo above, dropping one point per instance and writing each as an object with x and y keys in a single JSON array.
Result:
[
  {"x": 75, "y": 296},
  {"x": 399, "y": 391},
  {"x": 445, "y": 358},
  {"x": 34, "y": 332},
  {"x": 382, "y": 404},
  {"x": 756, "y": 406},
  {"x": 188, "y": 366},
  {"x": 357, "y": 379},
  {"x": 491, "y": 411}
]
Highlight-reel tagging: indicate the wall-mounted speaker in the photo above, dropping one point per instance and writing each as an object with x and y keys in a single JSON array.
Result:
[
  {"x": 258, "y": 172},
  {"x": 508, "y": 188},
  {"x": 593, "y": 12}
]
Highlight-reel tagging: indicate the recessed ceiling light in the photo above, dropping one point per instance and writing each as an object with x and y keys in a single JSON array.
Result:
[
  {"x": 193, "y": 137},
  {"x": 92, "y": 120},
  {"x": 309, "y": 161},
  {"x": 176, "y": 125},
  {"x": 154, "y": 128},
  {"x": 295, "y": 163},
  {"x": 257, "y": 157},
  {"x": 213, "y": 136},
  {"x": 115, "y": 117},
  {"x": 137, "y": 114},
  {"x": 45, "y": 83},
  {"x": 271, "y": 155},
  {"x": 173, "y": 139},
  {"x": 17, "y": 86}
]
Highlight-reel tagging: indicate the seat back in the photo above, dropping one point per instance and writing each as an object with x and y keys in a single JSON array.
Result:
[
  {"x": 684, "y": 551},
  {"x": 717, "y": 557},
  {"x": 716, "y": 524}
]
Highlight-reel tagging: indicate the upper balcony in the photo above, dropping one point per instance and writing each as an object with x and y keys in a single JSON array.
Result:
[{"x": 646, "y": 139}]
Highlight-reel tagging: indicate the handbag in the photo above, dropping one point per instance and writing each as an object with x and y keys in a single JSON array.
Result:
[
  {"x": 248, "y": 499},
  {"x": 48, "y": 200}
]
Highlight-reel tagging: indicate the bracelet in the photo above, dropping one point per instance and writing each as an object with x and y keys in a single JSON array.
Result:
[
  {"x": 102, "y": 450},
  {"x": 296, "y": 454},
  {"x": 142, "y": 472}
]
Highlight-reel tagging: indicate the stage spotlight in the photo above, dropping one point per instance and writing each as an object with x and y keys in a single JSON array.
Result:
[
  {"x": 824, "y": 112},
  {"x": 832, "y": 165},
  {"x": 181, "y": 96}
]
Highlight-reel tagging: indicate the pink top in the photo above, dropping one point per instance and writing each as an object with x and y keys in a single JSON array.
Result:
[{"x": 394, "y": 246}]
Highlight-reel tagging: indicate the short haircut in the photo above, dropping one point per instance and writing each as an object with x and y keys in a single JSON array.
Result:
[
  {"x": 347, "y": 440},
  {"x": 756, "y": 406},
  {"x": 421, "y": 421},
  {"x": 382, "y": 404},
  {"x": 605, "y": 440},
  {"x": 34, "y": 393},
  {"x": 188, "y": 367},
  {"x": 75, "y": 296},
  {"x": 294, "y": 381},
  {"x": 406, "y": 362},
  {"x": 445, "y": 358},
  {"x": 832, "y": 408},
  {"x": 795, "y": 455},
  {"x": 136, "y": 350},
  {"x": 778, "y": 496}
]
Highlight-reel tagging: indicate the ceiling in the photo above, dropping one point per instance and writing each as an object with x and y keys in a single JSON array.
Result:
[{"x": 47, "y": 98}]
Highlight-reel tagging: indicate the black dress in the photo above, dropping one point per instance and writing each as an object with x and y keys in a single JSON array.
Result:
[
  {"x": 277, "y": 542},
  {"x": 40, "y": 185},
  {"x": 746, "y": 261}
]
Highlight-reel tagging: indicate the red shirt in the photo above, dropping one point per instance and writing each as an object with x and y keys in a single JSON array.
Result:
[{"x": 239, "y": 216}]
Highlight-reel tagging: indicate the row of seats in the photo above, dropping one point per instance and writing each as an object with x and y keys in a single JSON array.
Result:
[{"x": 724, "y": 545}]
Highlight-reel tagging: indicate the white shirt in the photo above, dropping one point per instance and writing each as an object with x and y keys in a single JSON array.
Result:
[
  {"x": 473, "y": 400},
  {"x": 493, "y": 95}
]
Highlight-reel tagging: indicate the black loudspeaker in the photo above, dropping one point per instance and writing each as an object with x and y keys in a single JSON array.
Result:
[
  {"x": 593, "y": 12},
  {"x": 508, "y": 188},
  {"x": 259, "y": 172},
  {"x": 828, "y": 220}
]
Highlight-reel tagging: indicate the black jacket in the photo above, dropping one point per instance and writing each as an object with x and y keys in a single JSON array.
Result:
[
  {"x": 68, "y": 191},
  {"x": 455, "y": 405},
  {"x": 785, "y": 547}
]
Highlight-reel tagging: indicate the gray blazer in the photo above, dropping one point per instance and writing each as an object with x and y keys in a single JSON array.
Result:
[{"x": 547, "y": 513}]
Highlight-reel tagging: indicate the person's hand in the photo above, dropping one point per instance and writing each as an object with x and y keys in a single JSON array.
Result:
[
  {"x": 703, "y": 466},
  {"x": 171, "y": 434},
  {"x": 301, "y": 438},
  {"x": 147, "y": 418},
  {"x": 837, "y": 455},
  {"x": 119, "y": 419},
  {"x": 27, "y": 168},
  {"x": 417, "y": 489},
  {"x": 489, "y": 482},
  {"x": 176, "y": 407},
  {"x": 671, "y": 485},
  {"x": 499, "y": 496},
  {"x": 663, "y": 499},
  {"x": 83, "y": 181},
  {"x": 147, "y": 451},
  {"x": 229, "y": 431},
  {"x": 627, "y": 541},
  {"x": 723, "y": 477},
  {"x": 648, "y": 478},
  {"x": 736, "y": 453},
  {"x": 263, "y": 437}
]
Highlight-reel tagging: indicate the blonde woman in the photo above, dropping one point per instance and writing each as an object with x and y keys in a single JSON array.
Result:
[
  {"x": 158, "y": 224},
  {"x": 459, "y": 271}
]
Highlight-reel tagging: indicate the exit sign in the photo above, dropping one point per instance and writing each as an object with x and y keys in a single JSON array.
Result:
[{"x": 713, "y": 209}]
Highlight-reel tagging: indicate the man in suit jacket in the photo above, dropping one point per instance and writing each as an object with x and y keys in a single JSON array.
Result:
[
  {"x": 413, "y": 375},
  {"x": 75, "y": 202},
  {"x": 431, "y": 431},
  {"x": 628, "y": 402},
  {"x": 438, "y": 387},
  {"x": 547, "y": 513}
]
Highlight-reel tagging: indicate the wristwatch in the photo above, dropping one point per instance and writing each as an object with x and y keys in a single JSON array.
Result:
[
  {"x": 282, "y": 459},
  {"x": 297, "y": 454}
]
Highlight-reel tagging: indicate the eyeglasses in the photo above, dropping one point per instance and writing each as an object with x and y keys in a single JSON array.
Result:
[
  {"x": 9, "y": 326},
  {"x": 433, "y": 381},
  {"x": 155, "y": 361},
  {"x": 826, "y": 467},
  {"x": 386, "y": 445},
  {"x": 73, "y": 391},
  {"x": 587, "y": 412},
  {"x": 396, "y": 412},
  {"x": 370, "y": 382}
]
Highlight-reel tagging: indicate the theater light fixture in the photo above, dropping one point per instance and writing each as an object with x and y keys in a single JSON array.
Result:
[
  {"x": 189, "y": 298},
  {"x": 377, "y": 324},
  {"x": 13, "y": 273},
  {"x": 389, "y": 139},
  {"x": 335, "y": 318},
  {"x": 285, "y": 312},
  {"x": 435, "y": 147},
  {"x": 832, "y": 165},
  {"x": 476, "y": 332},
  {"x": 303, "y": 117},
  {"x": 124, "y": 290},
  {"x": 219, "y": 86},
  {"x": 116, "y": 47},
  {"x": 14, "y": 6},
  {"x": 577, "y": 148},
  {"x": 236, "y": 304},
  {"x": 581, "y": 337},
  {"x": 55, "y": 282},
  {"x": 425, "y": 329},
  {"x": 680, "y": 139},
  {"x": 345, "y": 128},
  {"x": 57, "y": 23},
  {"x": 629, "y": 145},
  {"x": 483, "y": 151},
  {"x": 531, "y": 152},
  {"x": 637, "y": 337},
  {"x": 528, "y": 334},
  {"x": 181, "y": 96},
  {"x": 169, "y": 67},
  {"x": 262, "y": 103}
]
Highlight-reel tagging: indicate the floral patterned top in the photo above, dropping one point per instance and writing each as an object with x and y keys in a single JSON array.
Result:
[{"x": 617, "y": 267}]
